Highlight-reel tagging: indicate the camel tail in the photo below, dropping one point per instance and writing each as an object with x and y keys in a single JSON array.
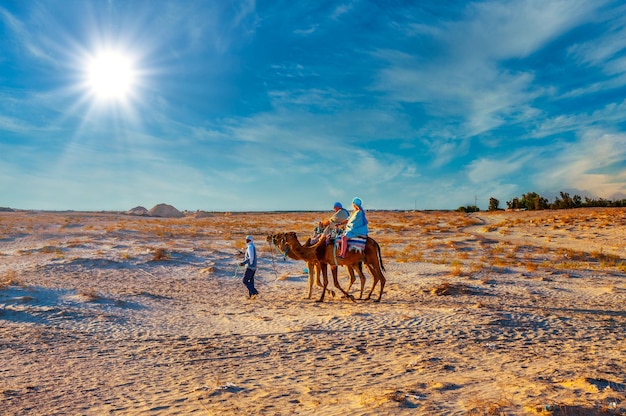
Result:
[{"x": 380, "y": 257}]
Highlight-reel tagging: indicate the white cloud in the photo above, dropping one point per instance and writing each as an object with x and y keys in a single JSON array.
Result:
[
  {"x": 610, "y": 114},
  {"x": 466, "y": 77},
  {"x": 573, "y": 165},
  {"x": 23, "y": 36},
  {"x": 341, "y": 9},
  {"x": 604, "y": 53},
  {"x": 495, "y": 30},
  {"x": 494, "y": 170}
]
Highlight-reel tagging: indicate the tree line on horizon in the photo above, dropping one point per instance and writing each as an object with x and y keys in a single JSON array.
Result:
[{"x": 532, "y": 201}]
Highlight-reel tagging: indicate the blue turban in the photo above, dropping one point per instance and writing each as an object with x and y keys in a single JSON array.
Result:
[
  {"x": 337, "y": 205},
  {"x": 357, "y": 201}
]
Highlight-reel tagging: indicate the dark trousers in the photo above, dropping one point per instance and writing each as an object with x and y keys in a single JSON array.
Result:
[{"x": 248, "y": 280}]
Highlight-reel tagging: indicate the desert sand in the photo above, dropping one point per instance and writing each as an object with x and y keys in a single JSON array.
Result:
[{"x": 503, "y": 313}]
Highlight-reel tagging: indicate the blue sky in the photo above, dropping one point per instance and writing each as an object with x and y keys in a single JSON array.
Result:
[{"x": 284, "y": 105}]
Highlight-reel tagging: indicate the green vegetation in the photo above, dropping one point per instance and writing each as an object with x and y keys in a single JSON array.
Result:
[
  {"x": 469, "y": 208},
  {"x": 533, "y": 201},
  {"x": 494, "y": 204}
]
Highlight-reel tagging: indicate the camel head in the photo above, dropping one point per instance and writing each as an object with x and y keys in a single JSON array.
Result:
[
  {"x": 291, "y": 238},
  {"x": 271, "y": 238},
  {"x": 274, "y": 238},
  {"x": 278, "y": 240}
]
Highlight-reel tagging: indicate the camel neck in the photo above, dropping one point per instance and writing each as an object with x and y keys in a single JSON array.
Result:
[{"x": 299, "y": 249}]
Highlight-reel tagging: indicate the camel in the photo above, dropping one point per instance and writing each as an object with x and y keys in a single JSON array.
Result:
[
  {"x": 326, "y": 255},
  {"x": 313, "y": 265},
  {"x": 310, "y": 257}
]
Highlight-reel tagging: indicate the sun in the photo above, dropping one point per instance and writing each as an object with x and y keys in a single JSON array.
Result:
[{"x": 110, "y": 75}]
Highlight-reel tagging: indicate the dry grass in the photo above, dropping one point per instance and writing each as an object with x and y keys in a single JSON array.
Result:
[
  {"x": 456, "y": 268},
  {"x": 89, "y": 295},
  {"x": 160, "y": 254},
  {"x": 450, "y": 289},
  {"x": 485, "y": 407},
  {"x": 531, "y": 266},
  {"x": 405, "y": 237},
  {"x": 10, "y": 278},
  {"x": 208, "y": 270}
]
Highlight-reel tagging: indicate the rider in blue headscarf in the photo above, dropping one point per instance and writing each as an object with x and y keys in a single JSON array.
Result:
[{"x": 356, "y": 226}]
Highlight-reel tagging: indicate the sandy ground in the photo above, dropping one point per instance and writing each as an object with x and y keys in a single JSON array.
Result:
[{"x": 510, "y": 313}]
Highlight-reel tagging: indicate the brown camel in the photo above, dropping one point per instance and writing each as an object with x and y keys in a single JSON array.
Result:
[
  {"x": 313, "y": 265},
  {"x": 327, "y": 254},
  {"x": 310, "y": 257}
]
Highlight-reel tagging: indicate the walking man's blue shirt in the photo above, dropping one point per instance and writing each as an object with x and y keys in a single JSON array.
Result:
[
  {"x": 250, "y": 263},
  {"x": 250, "y": 259}
]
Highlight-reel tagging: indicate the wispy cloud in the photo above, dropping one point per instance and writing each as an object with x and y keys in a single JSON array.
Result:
[
  {"x": 494, "y": 170},
  {"x": 575, "y": 165},
  {"x": 467, "y": 77}
]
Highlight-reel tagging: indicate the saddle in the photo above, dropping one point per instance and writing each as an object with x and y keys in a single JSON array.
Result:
[
  {"x": 357, "y": 244},
  {"x": 354, "y": 244}
]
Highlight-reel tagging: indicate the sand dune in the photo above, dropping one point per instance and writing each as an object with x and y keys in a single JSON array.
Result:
[{"x": 493, "y": 313}]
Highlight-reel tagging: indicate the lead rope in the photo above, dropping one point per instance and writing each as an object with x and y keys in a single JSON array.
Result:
[
  {"x": 273, "y": 263},
  {"x": 272, "y": 253}
]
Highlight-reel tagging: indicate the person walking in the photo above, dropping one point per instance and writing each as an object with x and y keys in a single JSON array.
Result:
[{"x": 250, "y": 263}]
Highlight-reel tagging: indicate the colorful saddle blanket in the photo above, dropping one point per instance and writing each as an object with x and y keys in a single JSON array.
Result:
[{"x": 357, "y": 244}]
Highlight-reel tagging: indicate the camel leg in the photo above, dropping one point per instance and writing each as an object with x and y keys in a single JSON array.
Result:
[
  {"x": 352, "y": 278},
  {"x": 362, "y": 278},
  {"x": 325, "y": 282},
  {"x": 315, "y": 279},
  {"x": 351, "y": 274},
  {"x": 375, "y": 278},
  {"x": 338, "y": 286},
  {"x": 311, "y": 279},
  {"x": 318, "y": 281},
  {"x": 378, "y": 277},
  {"x": 317, "y": 274},
  {"x": 382, "y": 285},
  {"x": 381, "y": 276}
]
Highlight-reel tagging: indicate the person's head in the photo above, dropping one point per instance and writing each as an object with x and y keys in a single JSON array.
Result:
[
  {"x": 249, "y": 239},
  {"x": 357, "y": 203},
  {"x": 337, "y": 206}
]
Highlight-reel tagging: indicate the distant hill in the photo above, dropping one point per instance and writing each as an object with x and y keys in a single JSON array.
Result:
[
  {"x": 165, "y": 211},
  {"x": 140, "y": 211}
]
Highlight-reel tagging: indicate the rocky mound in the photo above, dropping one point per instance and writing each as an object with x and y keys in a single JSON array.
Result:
[
  {"x": 141, "y": 211},
  {"x": 165, "y": 211},
  {"x": 202, "y": 214}
]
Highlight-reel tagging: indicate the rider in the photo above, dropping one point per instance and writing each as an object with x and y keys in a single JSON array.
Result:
[
  {"x": 356, "y": 226},
  {"x": 339, "y": 217}
]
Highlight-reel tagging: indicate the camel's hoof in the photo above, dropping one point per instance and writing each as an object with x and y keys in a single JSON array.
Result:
[
  {"x": 319, "y": 301},
  {"x": 377, "y": 300}
]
